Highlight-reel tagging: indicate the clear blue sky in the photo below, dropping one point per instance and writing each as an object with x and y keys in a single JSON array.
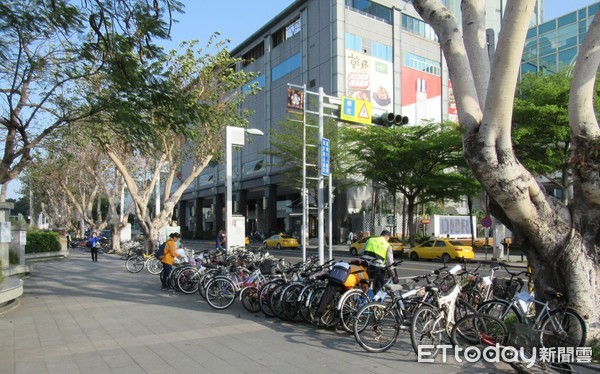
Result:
[{"x": 238, "y": 19}]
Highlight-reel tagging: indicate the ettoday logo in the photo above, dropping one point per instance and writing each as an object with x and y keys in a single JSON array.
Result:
[{"x": 493, "y": 354}]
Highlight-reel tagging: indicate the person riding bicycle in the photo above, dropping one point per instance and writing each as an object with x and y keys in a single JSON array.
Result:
[{"x": 379, "y": 254}]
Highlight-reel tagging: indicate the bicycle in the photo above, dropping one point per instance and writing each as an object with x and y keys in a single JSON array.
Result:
[
  {"x": 556, "y": 324},
  {"x": 430, "y": 320}
]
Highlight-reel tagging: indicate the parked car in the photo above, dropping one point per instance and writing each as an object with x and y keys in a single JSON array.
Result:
[
  {"x": 396, "y": 243},
  {"x": 444, "y": 249},
  {"x": 281, "y": 241}
]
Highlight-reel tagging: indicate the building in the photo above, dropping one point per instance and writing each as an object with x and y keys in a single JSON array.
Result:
[
  {"x": 553, "y": 45},
  {"x": 380, "y": 51}
]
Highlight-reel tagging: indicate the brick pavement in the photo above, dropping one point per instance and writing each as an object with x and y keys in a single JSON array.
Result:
[{"x": 79, "y": 316}]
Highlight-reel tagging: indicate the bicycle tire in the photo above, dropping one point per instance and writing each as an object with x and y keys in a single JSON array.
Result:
[
  {"x": 479, "y": 329},
  {"x": 264, "y": 298},
  {"x": 154, "y": 266},
  {"x": 220, "y": 292},
  {"x": 303, "y": 302},
  {"x": 350, "y": 302},
  {"x": 135, "y": 264},
  {"x": 276, "y": 301},
  {"x": 425, "y": 329},
  {"x": 573, "y": 328},
  {"x": 290, "y": 297},
  {"x": 376, "y": 327},
  {"x": 249, "y": 298},
  {"x": 204, "y": 279},
  {"x": 187, "y": 280}
]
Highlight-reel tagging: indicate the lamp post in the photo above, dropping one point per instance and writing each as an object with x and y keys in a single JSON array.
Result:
[{"x": 233, "y": 136}]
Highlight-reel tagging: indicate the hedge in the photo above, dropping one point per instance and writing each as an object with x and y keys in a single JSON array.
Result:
[{"x": 39, "y": 242}]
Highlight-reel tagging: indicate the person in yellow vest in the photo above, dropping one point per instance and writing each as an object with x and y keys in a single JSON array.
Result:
[
  {"x": 167, "y": 260},
  {"x": 378, "y": 253}
]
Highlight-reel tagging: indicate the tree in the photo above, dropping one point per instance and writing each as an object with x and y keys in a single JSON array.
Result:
[
  {"x": 541, "y": 132},
  {"x": 47, "y": 50},
  {"x": 418, "y": 161},
  {"x": 183, "y": 110},
  {"x": 561, "y": 243},
  {"x": 286, "y": 153}
]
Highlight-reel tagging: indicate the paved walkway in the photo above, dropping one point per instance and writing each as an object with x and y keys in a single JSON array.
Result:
[{"x": 79, "y": 316}]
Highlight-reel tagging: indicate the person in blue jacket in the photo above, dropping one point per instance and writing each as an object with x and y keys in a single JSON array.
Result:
[{"x": 94, "y": 241}]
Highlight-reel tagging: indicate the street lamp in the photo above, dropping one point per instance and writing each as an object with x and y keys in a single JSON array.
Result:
[{"x": 234, "y": 136}]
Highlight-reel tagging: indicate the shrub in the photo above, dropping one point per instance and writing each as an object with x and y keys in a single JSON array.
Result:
[
  {"x": 39, "y": 242},
  {"x": 13, "y": 258}
]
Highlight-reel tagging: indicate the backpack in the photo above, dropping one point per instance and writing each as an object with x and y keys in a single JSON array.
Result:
[{"x": 160, "y": 252}]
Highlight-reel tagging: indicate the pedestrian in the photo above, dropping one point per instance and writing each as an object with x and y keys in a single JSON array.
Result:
[
  {"x": 94, "y": 242},
  {"x": 379, "y": 254},
  {"x": 167, "y": 260},
  {"x": 68, "y": 237},
  {"x": 220, "y": 239},
  {"x": 350, "y": 237}
]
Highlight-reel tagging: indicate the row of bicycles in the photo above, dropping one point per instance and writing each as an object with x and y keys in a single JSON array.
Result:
[{"x": 454, "y": 306}]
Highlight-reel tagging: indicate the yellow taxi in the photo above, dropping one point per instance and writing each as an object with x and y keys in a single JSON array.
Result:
[
  {"x": 444, "y": 249},
  {"x": 247, "y": 242},
  {"x": 397, "y": 246},
  {"x": 281, "y": 241}
]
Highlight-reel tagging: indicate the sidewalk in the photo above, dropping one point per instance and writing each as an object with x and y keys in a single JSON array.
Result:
[{"x": 79, "y": 316}]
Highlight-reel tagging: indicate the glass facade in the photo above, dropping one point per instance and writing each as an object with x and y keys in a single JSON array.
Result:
[
  {"x": 418, "y": 27},
  {"x": 553, "y": 45}
]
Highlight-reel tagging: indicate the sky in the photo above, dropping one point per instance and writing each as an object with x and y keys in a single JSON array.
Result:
[{"x": 238, "y": 19}]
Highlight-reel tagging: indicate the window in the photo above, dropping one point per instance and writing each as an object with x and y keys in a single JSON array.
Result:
[
  {"x": 372, "y": 9},
  {"x": 353, "y": 42},
  {"x": 382, "y": 51},
  {"x": 286, "y": 32},
  {"x": 418, "y": 27},
  {"x": 254, "y": 53},
  {"x": 422, "y": 64}
]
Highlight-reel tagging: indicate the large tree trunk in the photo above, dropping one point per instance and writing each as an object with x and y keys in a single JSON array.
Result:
[{"x": 562, "y": 243}]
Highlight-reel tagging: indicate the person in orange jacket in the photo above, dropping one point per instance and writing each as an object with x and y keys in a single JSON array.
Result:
[{"x": 167, "y": 260}]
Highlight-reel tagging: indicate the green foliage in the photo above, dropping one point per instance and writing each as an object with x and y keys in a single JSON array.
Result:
[
  {"x": 13, "y": 258},
  {"x": 39, "y": 242},
  {"x": 418, "y": 161},
  {"x": 541, "y": 133},
  {"x": 287, "y": 147}
]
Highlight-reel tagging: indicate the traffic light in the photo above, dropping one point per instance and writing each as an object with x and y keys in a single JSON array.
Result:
[{"x": 390, "y": 119}]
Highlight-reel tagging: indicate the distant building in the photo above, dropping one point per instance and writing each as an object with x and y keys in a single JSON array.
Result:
[
  {"x": 380, "y": 51},
  {"x": 553, "y": 45}
]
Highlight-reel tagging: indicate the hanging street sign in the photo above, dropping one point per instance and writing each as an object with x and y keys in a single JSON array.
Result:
[
  {"x": 325, "y": 152},
  {"x": 486, "y": 222},
  {"x": 355, "y": 110}
]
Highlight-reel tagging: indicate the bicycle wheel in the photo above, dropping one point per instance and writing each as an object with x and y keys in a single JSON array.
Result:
[
  {"x": 350, "y": 303},
  {"x": 426, "y": 329},
  {"x": 135, "y": 264},
  {"x": 154, "y": 265},
  {"x": 303, "y": 302},
  {"x": 564, "y": 328},
  {"x": 204, "y": 279},
  {"x": 504, "y": 311},
  {"x": 376, "y": 327},
  {"x": 220, "y": 292},
  {"x": 276, "y": 300},
  {"x": 290, "y": 297},
  {"x": 264, "y": 297},
  {"x": 187, "y": 280},
  {"x": 479, "y": 330},
  {"x": 249, "y": 297}
]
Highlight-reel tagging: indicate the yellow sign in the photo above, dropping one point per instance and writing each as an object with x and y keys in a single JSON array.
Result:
[{"x": 355, "y": 110}]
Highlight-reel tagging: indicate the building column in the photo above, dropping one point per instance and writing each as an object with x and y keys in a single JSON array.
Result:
[
  {"x": 271, "y": 216},
  {"x": 198, "y": 216},
  {"x": 218, "y": 213},
  {"x": 181, "y": 219}
]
